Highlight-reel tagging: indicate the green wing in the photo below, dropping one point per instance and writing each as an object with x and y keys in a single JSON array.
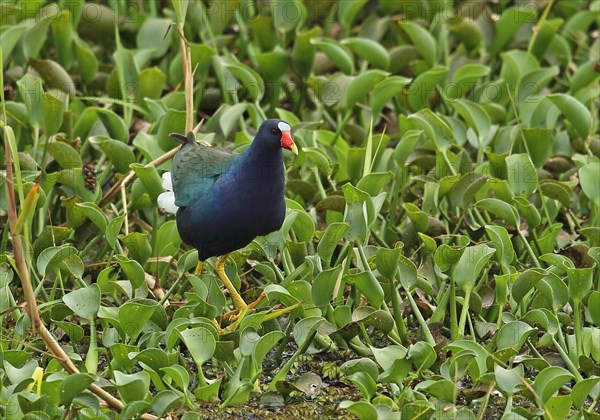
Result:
[{"x": 196, "y": 167}]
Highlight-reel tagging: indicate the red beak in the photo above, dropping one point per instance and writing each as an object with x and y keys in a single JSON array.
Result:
[{"x": 288, "y": 143}]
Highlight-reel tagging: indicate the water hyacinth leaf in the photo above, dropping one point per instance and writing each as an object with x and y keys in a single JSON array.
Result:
[
  {"x": 330, "y": 239},
  {"x": 132, "y": 269},
  {"x": 557, "y": 190},
  {"x": 476, "y": 117},
  {"x": 577, "y": 114},
  {"x": 582, "y": 389},
  {"x": 522, "y": 175},
  {"x": 580, "y": 282},
  {"x": 501, "y": 209},
  {"x": 422, "y": 355},
  {"x": 200, "y": 342},
  {"x": 134, "y": 314},
  {"x": 132, "y": 387},
  {"x": 374, "y": 182},
  {"x": 509, "y": 381},
  {"x": 51, "y": 258},
  {"x": 528, "y": 211},
  {"x": 363, "y": 364},
  {"x": 594, "y": 307},
  {"x": 74, "y": 385},
  {"x": 361, "y": 85},
  {"x": 336, "y": 52},
  {"x": 513, "y": 335},
  {"x": 361, "y": 409},
  {"x": 151, "y": 84},
  {"x": 179, "y": 375},
  {"x": 525, "y": 282},
  {"x": 444, "y": 389},
  {"x": 588, "y": 179},
  {"x": 368, "y": 285},
  {"x": 380, "y": 319},
  {"x": 252, "y": 84},
  {"x": 369, "y": 50},
  {"x": 54, "y": 75},
  {"x": 53, "y": 113},
  {"x": 324, "y": 284},
  {"x": 423, "y": 86},
  {"x": 138, "y": 245},
  {"x": 470, "y": 264},
  {"x": 501, "y": 240},
  {"x": 93, "y": 212},
  {"x": 422, "y": 40},
  {"x": 549, "y": 381},
  {"x": 164, "y": 401},
  {"x": 86, "y": 60},
  {"x": 385, "y": 90},
  {"x": 265, "y": 344},
  {"x": 84, "y": 302},
  {"x": 510, "y": 21},
  {"x": 64, "y": 154},
  {"x": 364, "y": 383},
  {"x": 119, "y": 153}
]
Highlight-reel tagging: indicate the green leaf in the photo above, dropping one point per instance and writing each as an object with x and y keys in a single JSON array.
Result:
[
  {"x": 510, "y": 381},
  {"x": 470, "y": 264},
  {"x": 364, "y": 383},
  {"x": 549, "y": 381},
  {"x": 588, "y": 179},
  {"x": 368, "y": 285},
  {"x": 476, "y": 117},
  {"x": 134, "y": 314},
  {"x": 510, "y": 21},
  {"x": 385, "y": 90},
  {"x": 424, "y": 85},
  {"x": 422, "y": 40},
  {"x": 371, "y": 51},
  {"x": 200, "y": 342},
  {"x": 84, "y": 302},
  {"x": 513, "y": 335},
  {"x": 582, "y": 389},
  {"x": 575, "y": 111},
  {"x": 323, "y": 286},
  {"x": 93, "y": 212},
  {"x": 164, "y": 401},
  {"x": 53, "y": 113},
  {"x": 64, "y": 154},
  {"x": 330, "y": 239},
  {"x": 361, "y": 85},
  {"x": 341, "y": 57},
  {"x": 504, "y": 248},
  {"x": 252, "y": 83},
  {"x": 86, "y": 59},
  {"x": 132, "y": 269},
  {"x": 501, "y": 209},
  {"x": 522, "y": 175},
  {"x": 73, "y": 386},
  {"x": 132, "y": 387},
  {"x": 120, "y": 154}
]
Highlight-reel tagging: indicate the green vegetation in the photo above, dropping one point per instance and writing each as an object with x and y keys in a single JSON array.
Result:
[{"x": 441, "y": 249}]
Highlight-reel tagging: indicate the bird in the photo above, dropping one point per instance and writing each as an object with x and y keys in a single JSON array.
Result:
[{"x": 223, "y": 200}]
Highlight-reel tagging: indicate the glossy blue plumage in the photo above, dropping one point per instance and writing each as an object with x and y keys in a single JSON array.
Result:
[{"x": 226, "y": 200}]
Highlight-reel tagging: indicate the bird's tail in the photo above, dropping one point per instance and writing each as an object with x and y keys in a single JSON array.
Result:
[{"x": 180, "y": 138}]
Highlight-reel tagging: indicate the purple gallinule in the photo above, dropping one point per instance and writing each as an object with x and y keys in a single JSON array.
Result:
[{"x": 223, "y": 200}]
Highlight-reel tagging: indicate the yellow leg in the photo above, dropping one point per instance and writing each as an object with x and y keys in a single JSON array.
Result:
[
  {"x": 235, "y": 296},
  {"x": 198, "y": 270}
]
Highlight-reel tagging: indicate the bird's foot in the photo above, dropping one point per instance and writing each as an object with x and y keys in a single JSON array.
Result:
[{"x": 242, "y": 309}]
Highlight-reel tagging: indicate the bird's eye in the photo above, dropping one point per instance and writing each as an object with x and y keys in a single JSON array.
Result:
[{"x": 273, "y": 131}]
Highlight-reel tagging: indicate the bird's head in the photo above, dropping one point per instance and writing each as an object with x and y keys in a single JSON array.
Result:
[{"x": 277, "y": 133}]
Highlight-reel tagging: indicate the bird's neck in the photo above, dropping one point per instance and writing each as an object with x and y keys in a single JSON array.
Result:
[
  {"x": 255, "y": 154},
  {"x": 261, "y": 166}
]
